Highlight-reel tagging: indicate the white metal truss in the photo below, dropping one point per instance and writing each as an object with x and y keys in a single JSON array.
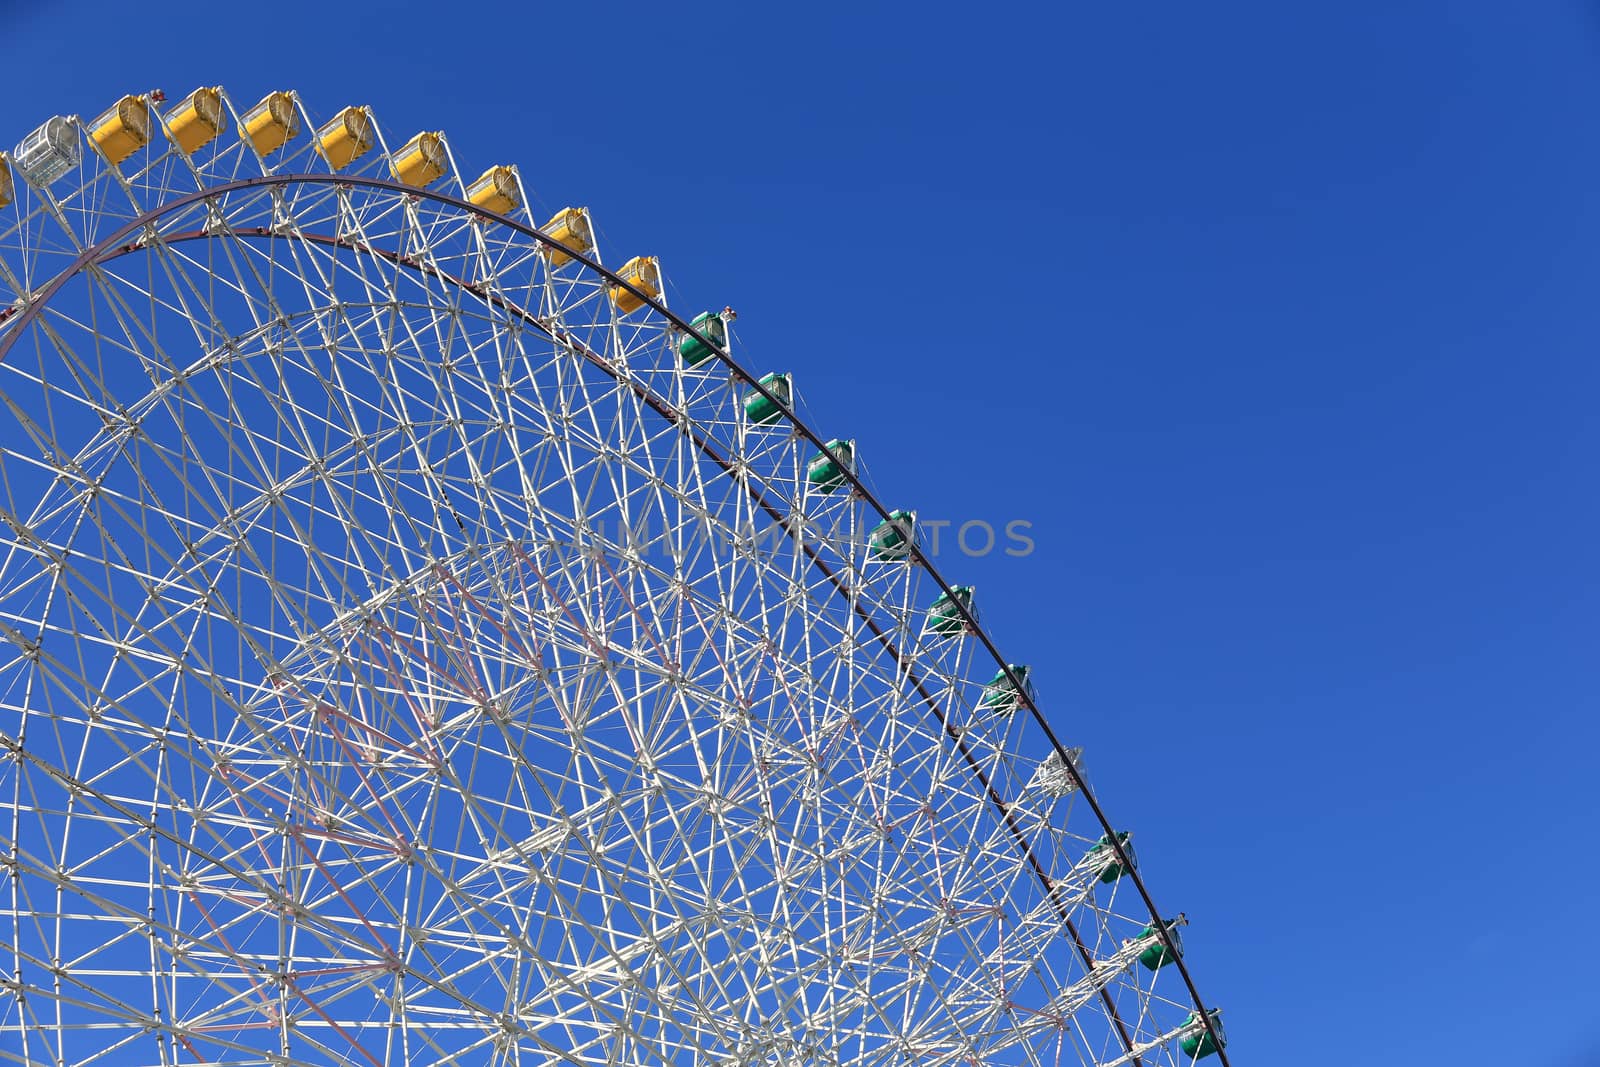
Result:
[{"x": 406, "y": 658}]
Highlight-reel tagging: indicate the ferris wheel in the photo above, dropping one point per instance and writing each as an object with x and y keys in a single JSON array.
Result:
[{"x": 418, "y": 645}]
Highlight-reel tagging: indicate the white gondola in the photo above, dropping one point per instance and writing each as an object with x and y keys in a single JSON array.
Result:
[{"x": 48, "y": 153}]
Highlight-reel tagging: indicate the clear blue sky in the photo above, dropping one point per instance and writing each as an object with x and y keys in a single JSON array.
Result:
[{"x": 1278, "y": 322}]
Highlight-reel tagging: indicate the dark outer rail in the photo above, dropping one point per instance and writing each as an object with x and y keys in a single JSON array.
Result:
[{"x": 113, "y": 245}]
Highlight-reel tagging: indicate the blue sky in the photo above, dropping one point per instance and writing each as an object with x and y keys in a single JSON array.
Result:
[{"x": 1276, "y": 321}]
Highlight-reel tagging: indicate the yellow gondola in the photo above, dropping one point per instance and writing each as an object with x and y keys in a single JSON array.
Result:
[
  {"x": 571, "y": 228},
  {"x": 642, "y": 272},
  {"x": 346, "y": 137},
  {"x": 8, "y": 190},
  {"x": 197, "y": 121},
  {"x": 421, "y": 162},
  {"x": 495, "y": 190},
  {"x": 271, "y": 123},
  {"x": 122, "y": 129}
]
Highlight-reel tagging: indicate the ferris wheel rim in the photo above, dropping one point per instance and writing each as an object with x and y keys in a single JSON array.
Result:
[{"x": 14, "y": 322}]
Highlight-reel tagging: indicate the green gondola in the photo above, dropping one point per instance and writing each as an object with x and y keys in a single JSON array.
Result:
[
  {"x": 692, "y": 349},
  {"x": 1113, "y": 867},
  {"x": 943, "y": 615},
  {"x": 1001, "y": 697},
  {"x": 764, "y": 412},
  {"x": 892, "y": 538},
  {"x": 1201, "y": 1044},
  {"x": 1157, "y": 956},
  {"x": 827, "y": 470}
]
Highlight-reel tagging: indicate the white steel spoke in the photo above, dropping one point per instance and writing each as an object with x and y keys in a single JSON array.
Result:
[{"x": 407, "y": 656}]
